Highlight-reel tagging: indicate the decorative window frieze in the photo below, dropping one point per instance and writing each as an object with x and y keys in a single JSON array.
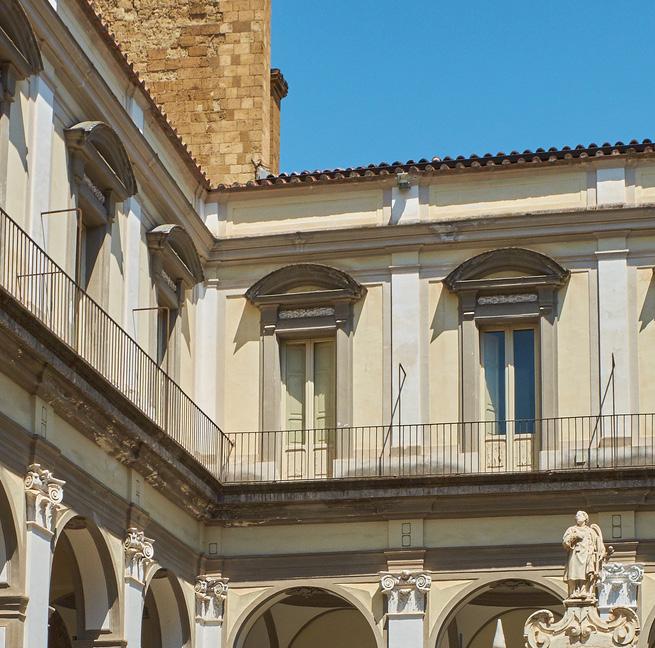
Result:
[
  {"x": 521, "y": 298},
  {"x": 299, "y": 313}
]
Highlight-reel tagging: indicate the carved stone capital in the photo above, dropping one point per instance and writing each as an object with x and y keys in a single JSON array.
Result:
[
  {"x": 210, "y": 598},
  {"x": 44, "y": 494},
  {"x": 405, "y": 591},
  {"x": 139, "y": 554},
  {"x": 619, "y": 586}
]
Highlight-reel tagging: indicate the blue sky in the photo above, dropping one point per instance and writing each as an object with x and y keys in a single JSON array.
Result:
[{"x": 386, "y": 80}]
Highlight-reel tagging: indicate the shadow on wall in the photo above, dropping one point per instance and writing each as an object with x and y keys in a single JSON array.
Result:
[
  {"x": 446, "y": 314},
  {"x": 647, "y": 314},
  {"x": 248, "y": 327}
]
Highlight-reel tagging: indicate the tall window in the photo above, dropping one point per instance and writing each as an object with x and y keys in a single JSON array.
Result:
[
  {"x": 509, "y": 367},
  {"x": 309, "y": 381}
]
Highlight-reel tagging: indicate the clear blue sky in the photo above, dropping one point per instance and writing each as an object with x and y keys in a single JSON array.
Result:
[{"x": 386, "y": 80}]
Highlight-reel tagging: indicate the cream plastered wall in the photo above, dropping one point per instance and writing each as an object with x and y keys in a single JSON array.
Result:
[
  {"x": 242, "y": 365},
  {"x": 369, "y": 358},
  {"x": 646, "y": 338},
  {"x": 444, "y": 363},
  {"x": 573, "y": 347},
  {"x": 445, "y": 532},
  {"x": 507, "y": 193},
  {"x": 645, "y": 183},
  {"x": 318, "y": 211}
]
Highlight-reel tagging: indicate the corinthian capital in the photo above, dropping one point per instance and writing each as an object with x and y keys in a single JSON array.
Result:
[
  {"x": 211, "y": 593},
  {"x": 405, "y": 591},
  {"x": 44, "y": 494},
  {"x": 139, "y": 553}
]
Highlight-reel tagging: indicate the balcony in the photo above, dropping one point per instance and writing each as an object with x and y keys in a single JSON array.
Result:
[
  {"x": 582, "y": 443},
  {"x": 33, "y": 280}
]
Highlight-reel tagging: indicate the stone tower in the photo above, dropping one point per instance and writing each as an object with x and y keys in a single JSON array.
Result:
[{"x": 207, "y": 64}]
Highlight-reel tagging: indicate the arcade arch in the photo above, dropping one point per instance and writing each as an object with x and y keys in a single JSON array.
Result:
[
  {"x": 165, "y": 620},
  {"x": 472, "y": 621},
  {"x": 83, "y": 587},
  {"x": 306, "y": 617}
]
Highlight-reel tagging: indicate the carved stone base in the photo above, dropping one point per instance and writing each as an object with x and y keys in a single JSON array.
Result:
[{"x": 581, "y": 626}]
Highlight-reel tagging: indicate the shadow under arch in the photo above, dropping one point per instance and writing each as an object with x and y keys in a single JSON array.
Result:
[
  {"x": 264, "y": 602},
  {"x": 96, "y": 593},
  {"x": 647, "y": 635},
  {"x": 11, "y": 550},
  {"x": 474, "y": 589},
  {"x": 166, "y": 606}
]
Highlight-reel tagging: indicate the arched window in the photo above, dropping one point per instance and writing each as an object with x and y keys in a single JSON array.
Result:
[
  {"x": 306, "y": 334},
  {"x": 102, "y": 176},
  {"x": 20, "y": 56},
  {"x": 507, "y": 304},
  {"x": 175, "y": 267}
]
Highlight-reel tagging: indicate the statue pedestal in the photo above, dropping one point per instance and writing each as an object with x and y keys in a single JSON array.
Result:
[{"x": 582, "y": 627}]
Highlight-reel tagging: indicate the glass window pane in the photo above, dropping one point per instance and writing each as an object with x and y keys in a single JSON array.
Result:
[
  {"x": 524, "y": 380},
  {"x": 324, "y": 400},
  {"x": 294, "y": 380},
  {"x": 493, "y": 361}
]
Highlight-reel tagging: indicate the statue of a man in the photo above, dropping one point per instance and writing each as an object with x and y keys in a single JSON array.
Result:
[{"x": 584, "y": 542}]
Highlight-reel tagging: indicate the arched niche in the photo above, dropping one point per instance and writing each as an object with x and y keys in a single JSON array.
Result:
[
  {"x": 20, "y": 56},
  {"x": 305, "y": 301},
  {"x": 306, "y": 617},
  {"x": 83, "y": 584},
  {"x": 510, "y": 289},
  {"x": 165, "y": 621},
  {"x": 470, "y": 618}
]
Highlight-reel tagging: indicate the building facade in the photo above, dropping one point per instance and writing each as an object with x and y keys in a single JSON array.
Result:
[{"x": 352, "y": 407}]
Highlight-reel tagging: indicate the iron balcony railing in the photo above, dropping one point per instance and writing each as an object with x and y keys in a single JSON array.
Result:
[
  {"x": 444, "y": 449},
  {"x": 34, "y": 280}
]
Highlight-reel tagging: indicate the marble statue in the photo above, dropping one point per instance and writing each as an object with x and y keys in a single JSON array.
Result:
[
  {"x": 587, "y": 554},
  {"x": 582, "y": 626}
]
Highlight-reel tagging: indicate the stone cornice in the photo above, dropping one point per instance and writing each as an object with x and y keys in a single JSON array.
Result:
[
  {"x": 508, "y": 229},
  {"x": 435, "y": 497},
  {"x": 42, "y": 364}
]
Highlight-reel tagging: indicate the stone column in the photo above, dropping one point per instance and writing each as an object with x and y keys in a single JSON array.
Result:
[
  {"x": 139, "y": 554},
  {"x": 211, "y": 593},
  {"x": 44, "y": 495},
  {"x": 406, "y": 604},
  {"x": 7, "y": 93}
]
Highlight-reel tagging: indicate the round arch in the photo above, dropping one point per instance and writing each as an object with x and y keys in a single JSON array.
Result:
[
  {"x": 264, "y": 602},
  {"x": 82, "y": 548},
  {"x": 165, "y": 622},
  {"x": 474, "y": 589}
]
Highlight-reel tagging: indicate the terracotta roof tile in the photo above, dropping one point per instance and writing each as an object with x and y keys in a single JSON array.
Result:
[{"x": 438, "y": 165}]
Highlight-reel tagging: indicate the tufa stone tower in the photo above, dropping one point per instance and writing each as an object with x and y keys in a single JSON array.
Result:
[{"x": 207, "y": 64}]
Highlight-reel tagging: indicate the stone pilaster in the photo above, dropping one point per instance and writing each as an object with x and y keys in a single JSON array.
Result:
[
  {"x": 619, "y": 587},
  {"x": 43, "y": 498},
  {"x": 139, "y": 555},
  {"x": 211, "y": 593},
  {"x": 406, "y": 594}
]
